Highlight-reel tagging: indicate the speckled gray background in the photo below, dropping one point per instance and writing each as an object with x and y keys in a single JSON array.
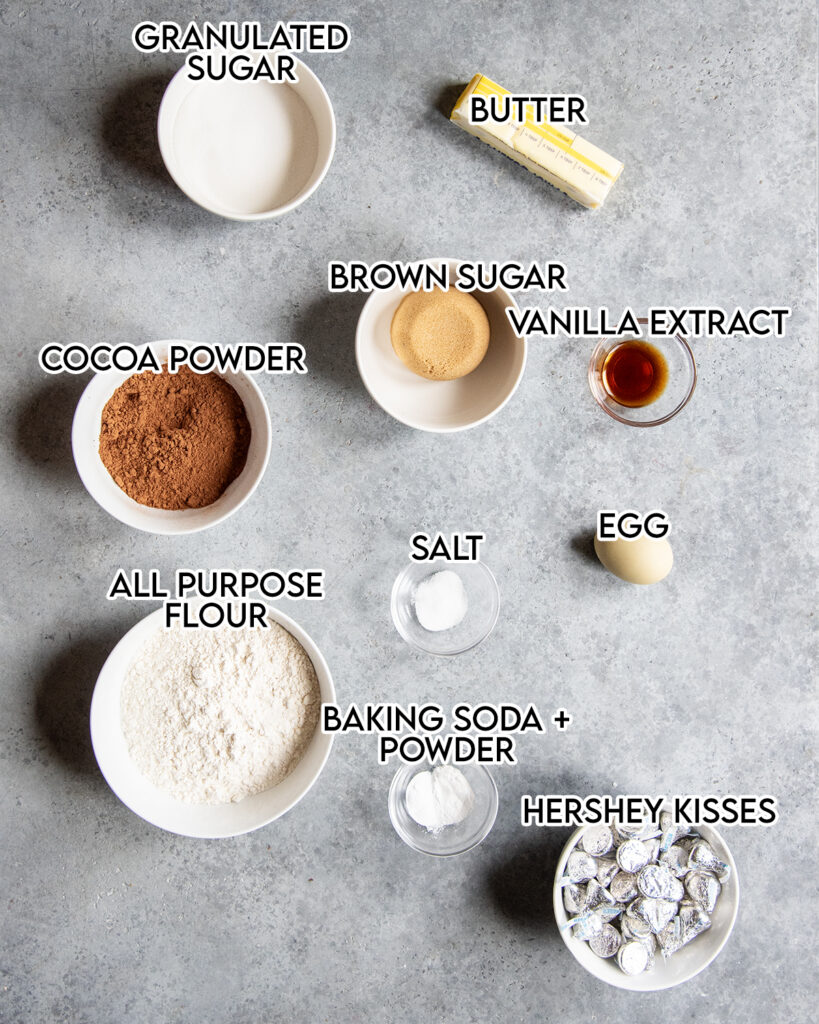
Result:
[{"x": 701, "y": 684}]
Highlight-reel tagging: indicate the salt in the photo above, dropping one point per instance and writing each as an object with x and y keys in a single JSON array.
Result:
[
  {"x": 440, "y": 601},
  {"x": 439, "y": 798}
]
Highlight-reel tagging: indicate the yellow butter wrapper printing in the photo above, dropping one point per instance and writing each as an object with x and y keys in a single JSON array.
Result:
[{"x": 559, "y": 156}]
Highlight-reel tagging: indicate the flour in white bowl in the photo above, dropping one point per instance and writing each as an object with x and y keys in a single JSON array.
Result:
[{"x": 214, "y": 715}]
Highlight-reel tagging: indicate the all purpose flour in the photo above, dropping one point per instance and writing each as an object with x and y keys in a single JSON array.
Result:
[{"x": 212, "y": 716}]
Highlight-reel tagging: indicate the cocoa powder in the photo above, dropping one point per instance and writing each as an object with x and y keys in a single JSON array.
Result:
[{"x": 174, "y": 440}]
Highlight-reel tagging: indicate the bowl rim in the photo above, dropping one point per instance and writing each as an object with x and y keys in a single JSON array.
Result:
[
  {"x": 392, "y": 802},
  {"x": 164, "y": 128},
  {"x": 617, "y": 979},
  {"x": 108, "y": 677},
  {"x": 411, "y": 640},
  {"x": 509, "y": 299},
  {"x": 591, "y": 376},
  {"x": 132, "y": 516}
]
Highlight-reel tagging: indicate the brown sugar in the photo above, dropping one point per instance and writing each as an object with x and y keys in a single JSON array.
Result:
[
  {"x": 174, "y": 440},
  {"x": 440, "y": 335}
]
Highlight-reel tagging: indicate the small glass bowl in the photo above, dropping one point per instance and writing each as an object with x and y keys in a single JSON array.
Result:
[
  {"x": 682, "y": 379},
  {"x": 483, "y": 605},
  {"x": 453, "y": 839}
]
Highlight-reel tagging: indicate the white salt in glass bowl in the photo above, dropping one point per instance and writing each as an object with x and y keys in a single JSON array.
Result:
[
  {"x": 439, "y": 406},
  {"x": 247, "y": 150},
  {"x": 454, "y": 839},
  {"x": 483, "y": 607},
  {"x": 85, "y": 442},
  {"x": 200, "y": 821},
  {"x": 684, "y": 964}
]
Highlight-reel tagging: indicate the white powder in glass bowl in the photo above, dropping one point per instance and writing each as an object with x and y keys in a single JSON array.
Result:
[
  {"x": 214, "y": 715},
  {"x": 440, "y": 601},
  {"x": 439, "y": 798}
]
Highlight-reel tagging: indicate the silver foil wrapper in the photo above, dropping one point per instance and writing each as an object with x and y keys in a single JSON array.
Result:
[
  {"x": 671, "y": 831},
  {"x": 653, "y": 849},
  {"x": 656, "y": 913},
  {"x": 606, "y": 942},
  {"x": 606, "y": 870},
  {"x": 609, "y": 913},
  {"x": 701, "y": 855},
  {"x": 575, "y": 898},
  {"x": 585, "y": 925},
  {"x": 623, "y": 887},
  {"x": 658, "y": 882},
  {"x": 651, "y": 944},
  {"x": 632, "y": 856},
  {"x": 597, "y": 840},
  {"x": 624, "y": 831},
  {"x": 634, "y": 927},
  {"x": 597, "y": 896},
  {"x": 580, "y": 866},
  {"x": 703, "y": 888},
  {"x": 687, "y": 925},
  {"x": 676, "y": 858},
  {"x": 632, "y": 957}
]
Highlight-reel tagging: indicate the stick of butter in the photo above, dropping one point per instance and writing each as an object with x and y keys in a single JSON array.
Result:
[{"x": 575, "y": 166}]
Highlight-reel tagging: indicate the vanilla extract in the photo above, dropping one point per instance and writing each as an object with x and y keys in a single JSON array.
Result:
[{"x": 635, "y": 373}]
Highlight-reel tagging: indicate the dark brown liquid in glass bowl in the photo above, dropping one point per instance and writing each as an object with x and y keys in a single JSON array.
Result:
[{"x": 635, "y": 373}]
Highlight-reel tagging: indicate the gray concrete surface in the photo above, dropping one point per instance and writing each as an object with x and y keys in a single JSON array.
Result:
[{"x": 702, "y": 684}]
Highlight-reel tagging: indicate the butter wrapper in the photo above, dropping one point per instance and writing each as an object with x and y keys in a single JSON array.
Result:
[{"x": 556, "y": 154}]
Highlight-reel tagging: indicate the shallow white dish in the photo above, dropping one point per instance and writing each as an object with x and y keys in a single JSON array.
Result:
[
  {"x": 684, "y": 964},
  {"x": 85, "y": 442},
  {"x": 247, "y": 150},
  {"x": 440, "y": 406},
  {"x": 201, "y": 821}
]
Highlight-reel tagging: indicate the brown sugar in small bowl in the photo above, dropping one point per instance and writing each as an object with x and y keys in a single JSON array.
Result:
[
  {"x": 85, "y": 443},
  {"x": 439, "y": 406}
]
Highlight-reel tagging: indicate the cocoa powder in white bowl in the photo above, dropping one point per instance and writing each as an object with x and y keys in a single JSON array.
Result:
[{"x": 85, "y": 443}]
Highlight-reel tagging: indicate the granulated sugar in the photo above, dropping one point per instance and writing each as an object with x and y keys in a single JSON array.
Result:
[{"x": 212, "y": 716}]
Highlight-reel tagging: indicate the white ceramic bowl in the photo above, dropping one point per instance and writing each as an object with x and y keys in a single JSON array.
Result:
[
  {"x": 85, "y": 437},
  {"x": 202, "y": 821},
  {"x": 247, "y": 150},
  {"x": 683, "y": 965},
  {"x": 440, "y": 406}
]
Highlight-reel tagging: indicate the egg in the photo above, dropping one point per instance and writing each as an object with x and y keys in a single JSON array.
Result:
[{"x": 642, "y": 560}]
